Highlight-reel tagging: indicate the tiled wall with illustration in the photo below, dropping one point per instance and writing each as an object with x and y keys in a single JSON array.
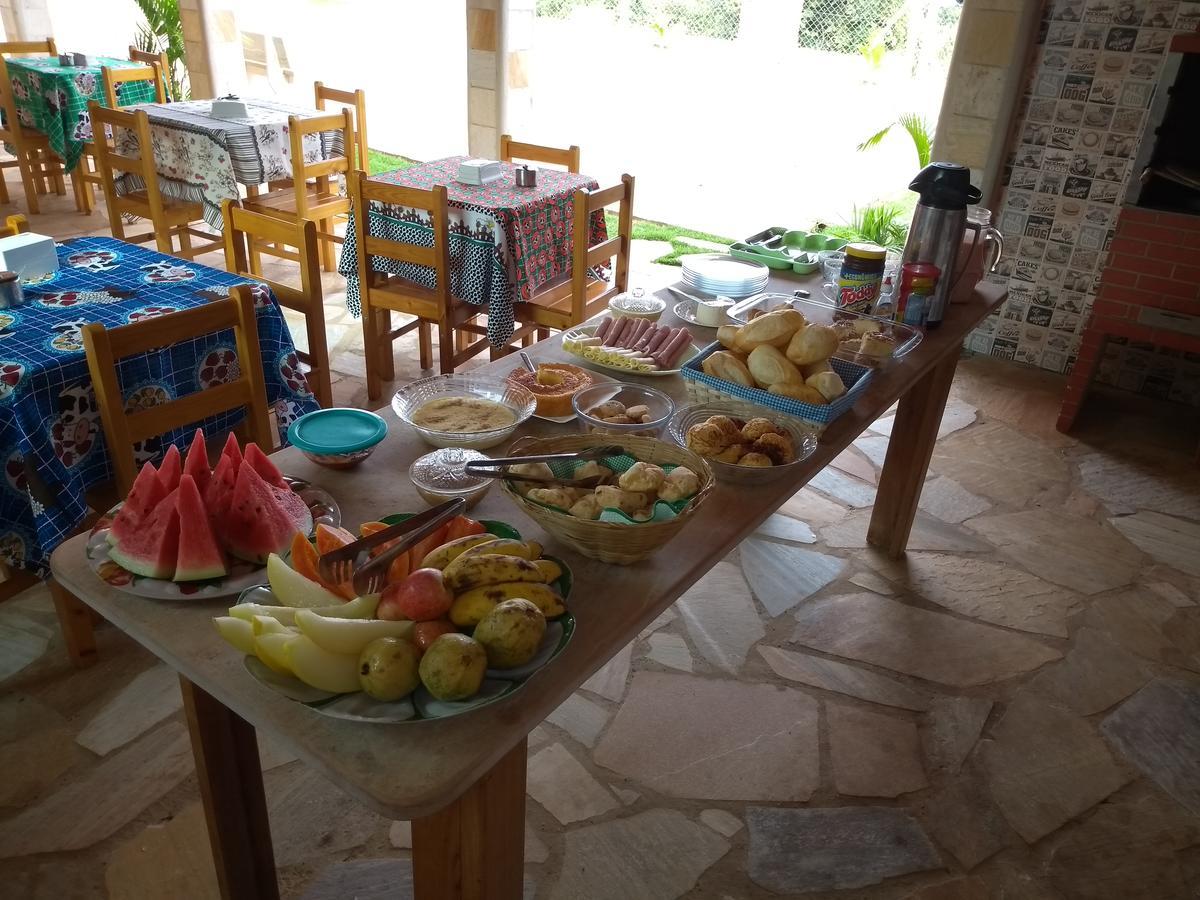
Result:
[{"x": 1081, "y": 119}]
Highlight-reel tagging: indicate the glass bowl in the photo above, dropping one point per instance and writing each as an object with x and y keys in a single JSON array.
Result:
[
  {"x": 804, "y": 439},
  {"x": 412, "y": 396},
  {"x": 440, "y": 475},
  {"x": 637, "y": 304},
  {"x": 660, "y": 405},
  {"x": 337, "y": 438}
]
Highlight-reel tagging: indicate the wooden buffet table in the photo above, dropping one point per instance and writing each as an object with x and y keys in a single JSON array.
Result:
[{"x": 462, "y": 780}]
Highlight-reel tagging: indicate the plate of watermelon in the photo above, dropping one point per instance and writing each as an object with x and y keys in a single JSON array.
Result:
[
  {"x": 187, "y": 531},
  {"x": 451, "y": 632}
]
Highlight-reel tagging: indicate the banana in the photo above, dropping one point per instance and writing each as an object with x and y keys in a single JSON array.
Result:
[
  {"x": 551, "y": 571},
  {"x": 471, "y": 606},
  {"x": 476, "y": 571},
  {"x": 440, "y": 557},
  {"x": 505, "y": 547}
]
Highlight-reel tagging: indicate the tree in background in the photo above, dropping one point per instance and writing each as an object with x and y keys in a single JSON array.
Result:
[{"x": 162, "y": 32}]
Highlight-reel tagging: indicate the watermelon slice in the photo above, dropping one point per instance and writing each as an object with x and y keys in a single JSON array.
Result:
[
  {"x": 152, "y": 549},
  {"x": 199, "y": 555},
  {"x": 259, "y": 522},
  {"x": 220, "y": 489},
  {"x": 264, "y": 467},
  {"x": 146, "y": 494},
  {"x": 232, "y": 450},
  {"x": 196, "y": 463},
  {"x": 169, "y": 471}
]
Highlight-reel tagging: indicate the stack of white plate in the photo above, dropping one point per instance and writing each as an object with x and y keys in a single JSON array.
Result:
[{"x": 719, "y": 274}]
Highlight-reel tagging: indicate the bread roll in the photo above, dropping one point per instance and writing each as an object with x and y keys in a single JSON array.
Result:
[
  {"x": 728, "y": 367},
  {"x": 768, "y": 365},
  {"x": 727, "y": 336},
  {"x": 707, "y": 439},
  {"x": 756, "y": 428},
  {"x": 756, "y": 460},
  {"x": 775, "y": 328},
  {"x": 798, "y": 390},
  {"x": 682, "y": 482},
  {"x": 812, "y": 344},
  {"x": 732, "y": 453},
  {"x": 729, "y": 427},
  {"x": 828, "y": 383},
  {"x": 642, "y": 476},
  {"x": 810, "y": 370},
  {"x": 776, "y": 447}
]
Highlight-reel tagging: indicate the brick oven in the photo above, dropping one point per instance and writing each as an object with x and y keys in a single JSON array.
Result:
[{"x": 1150, "y": 287}]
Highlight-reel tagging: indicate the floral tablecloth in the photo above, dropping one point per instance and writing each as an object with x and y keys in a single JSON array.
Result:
[
  {"x": 201, "y": 158},
  {"x": 506, "y": 242},
  {"x": 54, "y": 98},
  {"x": 51, "y": 441}
]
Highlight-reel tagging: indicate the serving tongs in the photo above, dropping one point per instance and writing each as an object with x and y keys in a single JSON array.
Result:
[
  {"x": 496, "y": 468},
  {"x": 341, "y": 565}
]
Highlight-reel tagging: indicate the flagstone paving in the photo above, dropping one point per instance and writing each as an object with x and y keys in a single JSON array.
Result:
[{"x": 1010, "y": 712}]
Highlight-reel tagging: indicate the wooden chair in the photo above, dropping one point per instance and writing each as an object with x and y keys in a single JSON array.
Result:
[
  {"x": 242, "y": 228},
  {"x": 88, "y": 172},
  {"x": 29, "y": 48},
  {"x": 149, "y": 58},
  {"x": 357, "y": 100},
  {"x": 38, "y": 165},
  {"x": 168, "y": 217},
  {"x": 106, "y": 346},
  {"x": 319, "y": 201},
  {"x": 579, "y": 296},
  {"x": 555, "y": 156},
  {"x": 381, "y": 294}
]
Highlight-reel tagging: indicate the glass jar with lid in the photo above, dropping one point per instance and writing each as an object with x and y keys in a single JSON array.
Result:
[
  {"x": 441, "y": 475},
  {"x": 861, "y": 277}
]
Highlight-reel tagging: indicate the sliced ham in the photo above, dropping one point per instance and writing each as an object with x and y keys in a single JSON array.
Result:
[
  {"x": 614, "y": 333},
  {"x": 660, "y": 336},
  {"x": 667, "y": 354},
  {"x": 602, "y": 328},
  {"x": 644, "y": 339},
  {"x": 635, "y": 332}
]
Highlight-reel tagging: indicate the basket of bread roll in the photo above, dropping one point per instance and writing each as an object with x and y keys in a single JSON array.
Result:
[
  {"x": 644, "y": 495},
  {"x": 743, "y": 442},
  {"x": 782, "y": 361}
]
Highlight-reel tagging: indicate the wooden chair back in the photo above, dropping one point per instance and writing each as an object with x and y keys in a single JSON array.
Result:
[
  {"x": 555, "y": 156},
  {"x": 10, "y": 130},
  {"x": 586, "y": 255},
  {"x": 149, "y": 58},
  {"x": 27, "y": 48},
  {"x": 111, "y": 163},
  {"x": 105, "y": 346},
  {"x": 113, "y": 77},
  {"x": 357, "y": 100},
  {"x": 322, "y": 169},
  {"x": 364, "y": 190},
  {"x": 242, "y": 227}
]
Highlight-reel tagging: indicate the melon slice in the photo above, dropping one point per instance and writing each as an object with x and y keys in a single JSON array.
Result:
[
  {"x": 146, "y": 494},
  {"x": 196, "y": 463},
  {"x": 151, "y": 551},
  {"x": 199, "y": 556},
  {"x": 264, "y": 467},
  {"x": 171, "y": 468},
  {"x": 220, "y": 489},
  {"x": 232, "y": 450},
  {"x": 257, "y": 522}
]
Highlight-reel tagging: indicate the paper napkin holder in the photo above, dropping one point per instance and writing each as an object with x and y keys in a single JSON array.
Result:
[
  {"x": 229, "y": 107},
  {"x": 478, "y": 171},
  {"x": 30, "y": 255}
]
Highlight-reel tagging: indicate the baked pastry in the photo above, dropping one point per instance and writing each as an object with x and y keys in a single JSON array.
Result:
[
  {"x": 812, "y": 344},
  {"x": 707, "y": 439},
  {"x": 864, "y": 326},
  {"x": 798, "y": 390},
  {"x": 609, "y": 496},
  {"x": 552, "y": 385},
  {"x": 775, "y": 447},
  {"x": 642, "y": 476},
  {"x": 727, "y": 336},
  {"x": 587, "y": 507},
  {"x": 728, "y": 367},
  {"x": 828, "y": 383},
  {"x": 536, "y": 470},
  {"x": 732, "y": 454},
  {"x": 756, "y": 460},
  {"x": 561, "y": 497},
  {"x": 768, "y": 365},
  {"x": 590, "y": 469},
  {"x": 819, "y": 366},
  {"x": 877, "y": 344},
  {"x": 608, "y": 410},
  {"x": 680, "y": 482},
  {"x": 775, "y": 328},
  {"x": 756, "y": 428},
  {"x": 729, "y": 426}
]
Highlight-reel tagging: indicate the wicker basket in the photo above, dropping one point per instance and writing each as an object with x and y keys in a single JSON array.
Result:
[{"x": 608, "y": 541}]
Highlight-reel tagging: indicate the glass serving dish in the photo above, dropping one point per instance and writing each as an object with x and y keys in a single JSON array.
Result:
[
  {"x": 660, "y": 408},
  {"x": 903, "y": 337},
  {"x": 411, "y": 397},
  {"x": 440, "y": 475},
  {"x": 804, "y": 439}
]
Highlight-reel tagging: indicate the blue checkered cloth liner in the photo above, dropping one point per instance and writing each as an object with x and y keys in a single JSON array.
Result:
[
  {"x": 855, "y": 377},
  {"x": 52, "y": 445}
]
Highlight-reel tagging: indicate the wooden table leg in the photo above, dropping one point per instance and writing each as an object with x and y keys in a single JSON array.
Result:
[
  {"x": 75, "y": 620},
  {"x": 235, "y": 804},
  {"x": 474, "y": 849},
  {"x": 914, "y": 433}
]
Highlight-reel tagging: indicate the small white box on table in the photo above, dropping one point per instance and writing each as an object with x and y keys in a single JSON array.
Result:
[
  {"x": 28, "y": 255},
  {"x": 478, "y": 171}
]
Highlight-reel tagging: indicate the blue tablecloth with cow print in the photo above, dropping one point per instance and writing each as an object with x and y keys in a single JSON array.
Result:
[{"x": 51, "y": 441}]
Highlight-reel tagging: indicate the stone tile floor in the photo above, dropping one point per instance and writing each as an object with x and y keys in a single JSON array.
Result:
[{"x": 1013, "y": 711}]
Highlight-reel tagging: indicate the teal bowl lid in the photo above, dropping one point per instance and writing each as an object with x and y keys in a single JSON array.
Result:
[{"x": 337, "y": 430}]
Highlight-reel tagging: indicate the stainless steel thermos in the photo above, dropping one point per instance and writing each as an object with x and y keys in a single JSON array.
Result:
[{"x": 937, "y": 227}]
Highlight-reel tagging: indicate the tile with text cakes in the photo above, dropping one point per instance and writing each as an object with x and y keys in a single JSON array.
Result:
[{"x": 1013, "y": 711}]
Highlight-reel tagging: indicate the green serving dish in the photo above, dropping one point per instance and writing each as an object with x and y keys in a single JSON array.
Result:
[{"x": 772, "y": 259}]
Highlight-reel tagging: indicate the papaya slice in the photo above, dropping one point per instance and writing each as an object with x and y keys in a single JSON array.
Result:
[
  {"x": 461, "y": 526},
  {"x": 330, "y": 538},
  {"x": 400, "y": 566}
]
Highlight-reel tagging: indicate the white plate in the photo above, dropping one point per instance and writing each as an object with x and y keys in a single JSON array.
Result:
[
  {"x": 724, "y": 268},
  {"x": 588, "y": 330}
]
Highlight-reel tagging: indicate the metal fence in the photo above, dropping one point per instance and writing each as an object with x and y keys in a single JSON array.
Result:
[{"x": 923, "y": 29}]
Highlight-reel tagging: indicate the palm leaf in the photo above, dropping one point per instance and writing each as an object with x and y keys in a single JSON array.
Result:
[
  {"x": 875, "y": 139},
  {"x": 918, "y": 130}
]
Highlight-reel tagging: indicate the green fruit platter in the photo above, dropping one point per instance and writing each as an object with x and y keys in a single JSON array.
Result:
[
  {"x": 190, "y": 532},
  {"x": 468, "y": 615}
]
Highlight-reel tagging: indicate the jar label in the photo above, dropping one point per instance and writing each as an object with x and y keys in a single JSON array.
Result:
[{"x": 858, "y": 291}]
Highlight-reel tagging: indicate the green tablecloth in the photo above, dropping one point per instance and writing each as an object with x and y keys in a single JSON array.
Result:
[{"x": 54, "y": 99}]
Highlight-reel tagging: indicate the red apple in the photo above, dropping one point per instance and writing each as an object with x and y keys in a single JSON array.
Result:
[
  {"x": 425, "y": 633},
  {"x": 419, "y": 597}
]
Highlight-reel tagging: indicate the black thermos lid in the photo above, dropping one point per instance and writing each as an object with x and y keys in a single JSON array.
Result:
[{"x": 945, "y": 185}]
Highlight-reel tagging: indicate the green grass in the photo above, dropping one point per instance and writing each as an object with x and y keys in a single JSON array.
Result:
[
  {"x": 644, "y": 230},
  {"x": 378, "y": 161}
]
